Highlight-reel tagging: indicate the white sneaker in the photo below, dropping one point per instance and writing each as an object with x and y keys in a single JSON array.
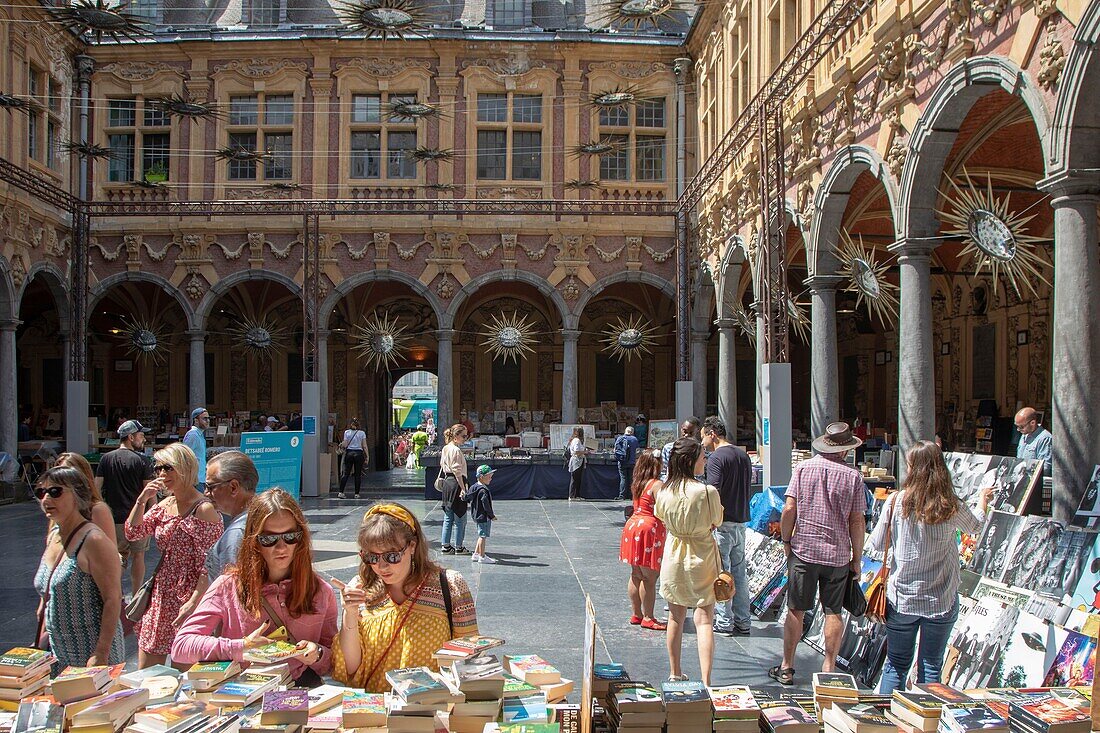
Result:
[
  {"x": 341, "y": 495},
  {"x": 488, "y": 560},
  {"x": 475, "y": 557}
]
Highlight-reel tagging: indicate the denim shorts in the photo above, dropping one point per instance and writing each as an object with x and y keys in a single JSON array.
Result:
[{"x": 483, "y": 528}]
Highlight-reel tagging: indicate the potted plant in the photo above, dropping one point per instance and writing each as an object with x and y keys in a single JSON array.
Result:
[{"x": 156, "y": 173}]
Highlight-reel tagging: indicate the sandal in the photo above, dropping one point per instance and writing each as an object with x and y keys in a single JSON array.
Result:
[
  {"x": 654, "y": 624},
  {"x": 635, "y": 620},
  {"x": 781, "y": 675}
]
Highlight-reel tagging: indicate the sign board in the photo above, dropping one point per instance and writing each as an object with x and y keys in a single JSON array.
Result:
[
  {"x": 661, "y": 432},
  {"x": 589, "y": 668},
  {"x": 560, "y": 435},
  {"x": 767, "y": 431},
  {"x": 309, "y": 424},
  {"x": 278, "y": 459}
]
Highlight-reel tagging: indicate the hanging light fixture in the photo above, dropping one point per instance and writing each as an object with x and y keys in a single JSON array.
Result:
[
  {"x": 410, "y": 110},
  {"x": 603, "y": 146},
  {"x": 508, "y": 337},
  {"x": 85, "y": 149},
  {"x": 259, "y": 336},
  {"x": 638, "y": 13},
  {"x": 98, "y": 19},
  {"x": 431, "y": 155},
  {"x": 381, "y": 341},
  {"x": 143, "y": 340},
  {"x": 385, "y": 18},
  {"x": 867, "y": 279},
  {"x": 629, "y": 337},
  {"x": 184, "y": 107}
]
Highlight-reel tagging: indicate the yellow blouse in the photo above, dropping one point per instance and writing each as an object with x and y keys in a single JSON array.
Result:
[{"x": 423, "y": 633}]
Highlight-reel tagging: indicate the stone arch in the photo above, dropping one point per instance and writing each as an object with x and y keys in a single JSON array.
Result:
[
  {"x": 935, "y": 132},
  {"x": 56, "y": 282},
  {"x": 704, "y": 309},
  {"x": 1075, "y": 130},
  {"x": 104, "y": 286},
  {"x": 730, "y": 268},
  {"x": 448, "y": 317},
  {"x": 223, "y": 286},
  {"x": 347, "y": 286},
  {"x": 831, "y": 201},
  {"x": 626, "y": 276}
]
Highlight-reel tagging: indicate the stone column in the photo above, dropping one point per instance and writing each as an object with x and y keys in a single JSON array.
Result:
[
  {"x": 916, "y": 364},
  {"x": 569, "y": 375},
  {"x": 196, "y": 390},
  {"x": 727, "y": 376},
  {"x": 699, "y": 341},
  {"x": 824, "y": 374},
  {"x": 9, "y": 396},
  {"x": 446, "y": 397},
  {"x": 1075, "y": 422}
]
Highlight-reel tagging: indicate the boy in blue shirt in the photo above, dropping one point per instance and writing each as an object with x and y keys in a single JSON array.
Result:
[{"x": 481, "y": 507}]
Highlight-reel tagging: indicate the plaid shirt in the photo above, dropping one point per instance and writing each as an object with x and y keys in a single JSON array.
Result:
[{"x": 826, "y": 492}]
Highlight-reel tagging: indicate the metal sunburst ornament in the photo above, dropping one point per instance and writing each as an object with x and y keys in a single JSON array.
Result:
[
  {"x": 239, "y": 154},
  {"x": 579, "y": 184},
  {"x": 431, "y": 155},
  {"x": 410, "y": 110},
  {"x": 187, "y": 108},
  {"x": 381, "y": 341},
  {"x": 98, "y": 19},
  {"x": 637, "y": 13},
  {"x": 509, "y": 337},
  {"x": 994, "y": 237},
  {"x": 441, "y": 186},
  {"x": 867, "y": 279},
  {"x": 85, "y": 149},
  {"x": 259, "y": 336},
  {"x": 746, "y": 323},
  {"x": 385, "y": 18},
  {"x": 618, "y": 97},
  {"x": 629, "y": 338},
  {"x": 144, "y": 340},
  {"x": 12, "y": 103},
  {"x": 798, "y": 321},
  {"x": 603, "y": 146},
  {"x": 146, "y": 184}
]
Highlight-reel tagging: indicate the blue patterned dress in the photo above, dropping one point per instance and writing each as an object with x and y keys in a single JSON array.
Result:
[{"x": 73, "y": 613}]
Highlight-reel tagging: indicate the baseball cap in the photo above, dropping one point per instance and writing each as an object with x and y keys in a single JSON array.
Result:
[
  {"x": 484, "y": 470},
  {"x": 196, "y": 412},
  {"x": 273, "y": 419},
  {"x": 128, "y": 428},
  {"x": 640, "y": 417}
]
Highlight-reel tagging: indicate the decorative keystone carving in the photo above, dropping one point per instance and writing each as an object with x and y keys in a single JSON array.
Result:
[{"x": 1052, "y": 60}]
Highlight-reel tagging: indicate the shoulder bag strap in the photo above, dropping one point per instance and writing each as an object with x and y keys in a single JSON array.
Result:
[
  {"x": 172, "y": 535},
  {"x": 396, "y": 632},
  {"x": 276, "y": 619},
  {"x": 889, "y": 529},
  {"x": 445, "y": 589}
]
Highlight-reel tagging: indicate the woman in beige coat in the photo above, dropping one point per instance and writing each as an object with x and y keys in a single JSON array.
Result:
[{"x": 690, "y": 510}]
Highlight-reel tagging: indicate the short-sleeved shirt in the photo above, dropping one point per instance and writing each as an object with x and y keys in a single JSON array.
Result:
[
  {"x": 195, "y": 439},
  {"x": 225, "y": 550},
  {"x": 124, "y": 473},
  {"x": 729, "y": 470},
  {"x": 1036, "y": 446},
  {"x": 826, "y": 492}
]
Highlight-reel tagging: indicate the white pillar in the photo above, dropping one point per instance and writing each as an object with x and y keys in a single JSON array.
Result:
[
  {"x": 569, "y": 375},
  {"x": 445, "y": 396},
  {"x": 699, "y": 341},
  {"x": 1075, "y": 422},
  {"x": 775, "y": 387},
  {"x": 196, "y": 390},
  {"x": 916, "y": 366},
  {"x": 76, "y": 417},
  {"x": 727, "y": 376},
  {"x": 824, "y": 370},
  {"x": 9, "y": 395}
]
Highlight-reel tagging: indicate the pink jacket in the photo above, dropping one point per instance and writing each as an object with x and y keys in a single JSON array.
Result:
[{"x": 214, "y": 632}]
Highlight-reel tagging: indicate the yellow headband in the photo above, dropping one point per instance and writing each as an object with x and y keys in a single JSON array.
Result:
[{"x": 396, "y": 511}]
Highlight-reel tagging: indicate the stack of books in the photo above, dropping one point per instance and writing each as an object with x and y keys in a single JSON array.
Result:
[
  {"x": 636, "y": 707},
  {"x": 111, "y": 712},
  {"x": 843, "y": 717},
  {"x": 363, "y": 710},
  {"x": 245, "y": 688},
  {"x": 82, "y": 683},
  {"x": 916, "y": 711},
  {"x": 832, "y": 687},
  {"x": 481, "y": 681},
  {"x": 1054, "y": 711},
  {"x": 604, "y": 675},
  {"x": 207, "y": 676},
  {"x": 170, "y": 718},
  {"x": 419, "y": 699},
  {"x": 735, "y": 709},
  {"x": 536, "y": 671},
  {"x": 688, "y": 707},
  {"x": 163, "y": 683},
  {"x": 968, "y": 717},
  {"x": 285, "y": 707},
  {"x": 24, "y": 672},
  {"x": 787, "y": 715},
  {"x": 465, "y": 647}
]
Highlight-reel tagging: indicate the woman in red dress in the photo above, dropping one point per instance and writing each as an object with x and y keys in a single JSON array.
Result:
[{"x": 643, "y": 541}]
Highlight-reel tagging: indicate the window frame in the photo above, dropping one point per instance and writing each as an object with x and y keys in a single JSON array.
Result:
[
  {"x": 633, "y": 131},
  {"x": 44, "y": 124},
  {"x": 383, "y": 126},
  {"x": 138, "y": 131},
  {"x": 510, "y": 127},
  {"x": 262, "y": 129}
]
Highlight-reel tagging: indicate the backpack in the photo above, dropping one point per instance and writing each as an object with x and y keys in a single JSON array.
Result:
[{"x": 620, "y": 448}]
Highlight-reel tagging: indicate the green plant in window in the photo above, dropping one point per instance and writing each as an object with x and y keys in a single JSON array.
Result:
[{"x": 156, "y": 173}]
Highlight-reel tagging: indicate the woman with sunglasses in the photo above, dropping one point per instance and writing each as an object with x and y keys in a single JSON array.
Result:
[
  {"x": 101, "y": 513},
  {"x": 81, "y": 584},
  {"x": 272, "y": 585},
  {"x": 396, "y": 608},
  {"x": 186, "y": 525}
]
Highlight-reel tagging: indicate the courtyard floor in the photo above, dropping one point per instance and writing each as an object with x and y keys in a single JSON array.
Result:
[{"x": 552, "y": 553}]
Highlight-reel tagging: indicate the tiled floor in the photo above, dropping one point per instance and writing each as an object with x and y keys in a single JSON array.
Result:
[{"x": 551, "y": 554}]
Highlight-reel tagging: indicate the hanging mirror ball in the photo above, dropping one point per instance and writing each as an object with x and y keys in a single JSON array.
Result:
[
  {"x": 387, "y": 17},
  {"x": 865, "y": 278},
  {"x": 258, "y": 338},
  {"x": 991, "y": 235},
  {"x": 144, "y": 340},
  {"x": 382, "y": 343},
  {"x": 630, "y": 338},
  {"x": 510, "y": 337},
  {"x": 644, "y": 8}
]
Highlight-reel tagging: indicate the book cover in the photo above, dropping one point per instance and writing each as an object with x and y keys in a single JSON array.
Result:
[
  {"x": 527, "y": 709},
  {"x": 276, "y": 651},
  {"x": 1031, "y": 555},
  {"x": 733, "y": 701},
  {"x": 1074, "y": 663},
  {"x": 688, "y": 692},
  {"x": 485, "y": 667},
  {"x": 609, "y": 671},
  {"x": 835, "y": 683},
  {"x": 282, "y": 707},
  {"x": 1047, "y": 711},
  {"x": 1068, "y": 562},
  {"x": 170, "y": 717},
  {"x": 468, "y": 646},
  {"x": 995, "y": 543},
  {"x": 942, "y": 691},
  {"x": 922, "y": 703},
  {"x": 963, "y": 717},
  {"x": 415, "y": 683},
  {"x": 363, "y": 709},
  {"x": 20, "y": 660},
  {"x": 39, "y": 716},
  {"x": 113, "y": 707},
  {"x": 133, "y": 679},
  {"x": 212, "y": 670},
  {"x": 976, "y": 649},
  {"x": 1029, "y": 653},
  {"x": 532, "y": 668},
  {"x": 638, "y": 698},
  {"x": 785, "y": 712},
  {"x": 867, "y": 715},
  {"x": 1086, "y": 593},
  {"x": 515, "y": 687}
]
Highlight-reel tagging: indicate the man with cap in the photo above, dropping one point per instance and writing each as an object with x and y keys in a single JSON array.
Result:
[
  {"x": 121, "y": 475},
  {"x": 195, "y": 439},
  {"x": 822, "y": 531},
  {"x": 481, "y": 508},
  {"x": 641, "y": 430}
]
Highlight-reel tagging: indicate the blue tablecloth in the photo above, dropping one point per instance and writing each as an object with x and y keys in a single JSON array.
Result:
[{"x": 540, "y": 481}]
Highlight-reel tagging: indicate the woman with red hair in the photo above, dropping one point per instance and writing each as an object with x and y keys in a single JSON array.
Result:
[{"x": 272, "y": 586}]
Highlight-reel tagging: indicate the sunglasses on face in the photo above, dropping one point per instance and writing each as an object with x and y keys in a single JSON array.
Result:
[
  {"x": 163, "y": 467},
  {"x": 54, "y": 492},
  {"x": 270, "y": 540},
  {"x": 392, "y": 558}
]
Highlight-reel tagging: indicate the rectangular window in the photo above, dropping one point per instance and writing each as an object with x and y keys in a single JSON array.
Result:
[
  {"x": 33, "y": 135},
  {"x": 244, "y": 111},
  {"x": 278, "y": 163},
  {"x": 366, "y": 108},
  {"x": 492, "y": 154},
  {"x": 366, "y": 154},
  {"x": 260, "y": 112},
  {"x": 615, "y": 166},
  {"x": 52, "y": 142},
  {"x": 527, "y": 108},
  {"x": 399, "y": 145},
  {"x": 509, "y": 13},
  {"x": 121, "y": 113},
  {"x": 492, "y": 108},
  {"x": 154, "y": 117},
  {"x": 279, "y": 109},
  {"x": 650, "y": 113},
  {"x": 527, "y": 155},
  {"x": 144, "y": 9},
  {"x": 265, "y": 12},
  {"x": 154, "y": 154},
  {"x": 650, "y": 158},
  {"x": 242, "y": 170},
  {"x": 121, "y": 165},
  {"x": 615, "y": 117}
]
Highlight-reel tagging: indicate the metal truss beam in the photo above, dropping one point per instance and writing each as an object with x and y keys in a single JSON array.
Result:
[
  {"x": 37, "y": 186},
  {"x": 311, "y": 296}
]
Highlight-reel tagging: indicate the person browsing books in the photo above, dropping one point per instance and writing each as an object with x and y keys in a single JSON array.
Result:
[
  {"x": 922, "y": 591},
  {"x": 81, "y": 584},
  {"x": 455, "y": 475},
  {"x": 642, "y": 544},
  {"x": 578, "y": 457},
  {"x": 272, "y": 585},
  {"x": 401, "y": 607},
  {"x": 690, "y": 510},
  {"x": 481, "y": 506}
]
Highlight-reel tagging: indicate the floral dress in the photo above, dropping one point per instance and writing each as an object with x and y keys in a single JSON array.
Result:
[
  {"x": 183, "y": 544},
  {"x": 424, "y": 630},
  {"x": 643, "y": 540}
]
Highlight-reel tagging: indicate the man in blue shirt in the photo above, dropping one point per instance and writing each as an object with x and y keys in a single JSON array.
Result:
[
  {"x": 1035, "y": 440},
  {"x": 196, "y": 441},
  {"x": 626, "y": 451}
]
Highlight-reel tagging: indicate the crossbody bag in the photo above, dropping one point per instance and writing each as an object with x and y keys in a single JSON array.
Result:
[{"x": 139, "y": 604}]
